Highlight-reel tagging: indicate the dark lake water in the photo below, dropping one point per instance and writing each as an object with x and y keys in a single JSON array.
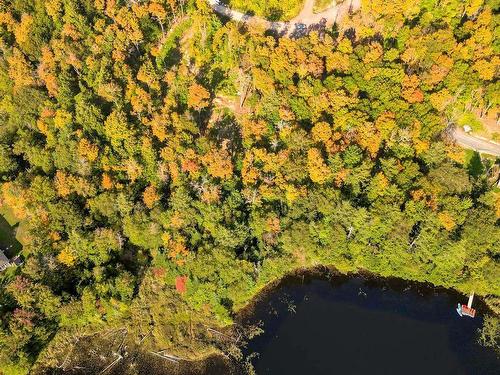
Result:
[
  {"x": 315, "y": 325},
  {"x": 363, "y": 326}
]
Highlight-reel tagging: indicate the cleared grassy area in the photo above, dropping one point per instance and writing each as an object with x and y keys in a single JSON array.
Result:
[
  {"x": 470, "y": 119},
  {"x": 7, "y": 213},
  {"x": 273, "y": 10},
  {"x": 11, "y": 232},
  {"x": 321, "y": 5},
  {"x": 8, "y": 242},
  {"x": 167, "y": 54},
  {"x": 485, "y": 126}
]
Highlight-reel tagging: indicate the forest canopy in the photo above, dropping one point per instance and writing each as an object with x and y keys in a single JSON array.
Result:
[{"x": 167, "y": 164}]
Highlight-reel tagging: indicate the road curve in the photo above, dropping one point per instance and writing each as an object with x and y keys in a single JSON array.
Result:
[
  {"x": 304, "y": 19},
  {"x": 477, "y": 144}
]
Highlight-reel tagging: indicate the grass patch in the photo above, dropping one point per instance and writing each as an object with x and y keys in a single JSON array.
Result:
[
  {"x": 469, "y": 118},
  {"x": 8, "y": 214},
  {"x": 167, "y": 52},
  {"x": 12, "y": 231},
  {"x": 8, "y": 242},
  {"x": 322, "y": 5},
  {"x": 273, "y": 10}
]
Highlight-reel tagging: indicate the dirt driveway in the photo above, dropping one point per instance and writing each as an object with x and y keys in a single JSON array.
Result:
[{"x": 301, "y": 22}]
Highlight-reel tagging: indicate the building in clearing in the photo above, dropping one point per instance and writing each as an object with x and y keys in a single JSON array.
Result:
[
  {"x": 4, "y": 261},
  {"x": 467, "y": 129}
]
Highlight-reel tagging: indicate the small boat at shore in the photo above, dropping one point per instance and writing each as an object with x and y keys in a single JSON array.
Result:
[{"x": 467, "y": 310}]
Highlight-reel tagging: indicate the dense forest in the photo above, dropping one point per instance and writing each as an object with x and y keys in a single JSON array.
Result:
[{"x": 167, "y": 164}]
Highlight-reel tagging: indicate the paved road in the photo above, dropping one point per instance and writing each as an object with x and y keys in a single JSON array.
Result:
[
  {"x": 480, "y": 145},
  {"x": 305, "y": 18}
]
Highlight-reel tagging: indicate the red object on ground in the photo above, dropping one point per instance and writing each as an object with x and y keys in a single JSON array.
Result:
[
  {"x": 180, "y": 284},
  {"x": 469, "y": 311}
]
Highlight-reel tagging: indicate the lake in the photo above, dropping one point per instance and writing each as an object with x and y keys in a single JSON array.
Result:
[
  {"x": 346, "y": 325},
  {"x": 363, "y": 326}
]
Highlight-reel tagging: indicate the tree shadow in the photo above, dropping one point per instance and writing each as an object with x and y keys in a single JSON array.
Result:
[
  {"x": 274, "y": 14},
  {"x": 227, "y": 129},
  {"x": 172, "y": 58},
  {"x": 475, "y": 166}
]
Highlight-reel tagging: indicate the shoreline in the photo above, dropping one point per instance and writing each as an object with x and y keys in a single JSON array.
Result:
[
  {"x": 332, "y": 275},
  {"x": 212, "y": 355}
]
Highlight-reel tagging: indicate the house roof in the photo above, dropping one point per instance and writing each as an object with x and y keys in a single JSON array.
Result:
[{"x": 3, "y": 258}]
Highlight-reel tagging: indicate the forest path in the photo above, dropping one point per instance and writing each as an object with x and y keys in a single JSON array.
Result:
[{"x": 297, "y": 25}]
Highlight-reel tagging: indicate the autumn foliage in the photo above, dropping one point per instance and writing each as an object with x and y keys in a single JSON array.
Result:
[{"x": 165, "y": 163}]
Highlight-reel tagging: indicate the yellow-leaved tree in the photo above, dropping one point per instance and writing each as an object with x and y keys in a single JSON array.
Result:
[
  {"x": 198, "y": 97},
  {"x": 318, "y": 170}
]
